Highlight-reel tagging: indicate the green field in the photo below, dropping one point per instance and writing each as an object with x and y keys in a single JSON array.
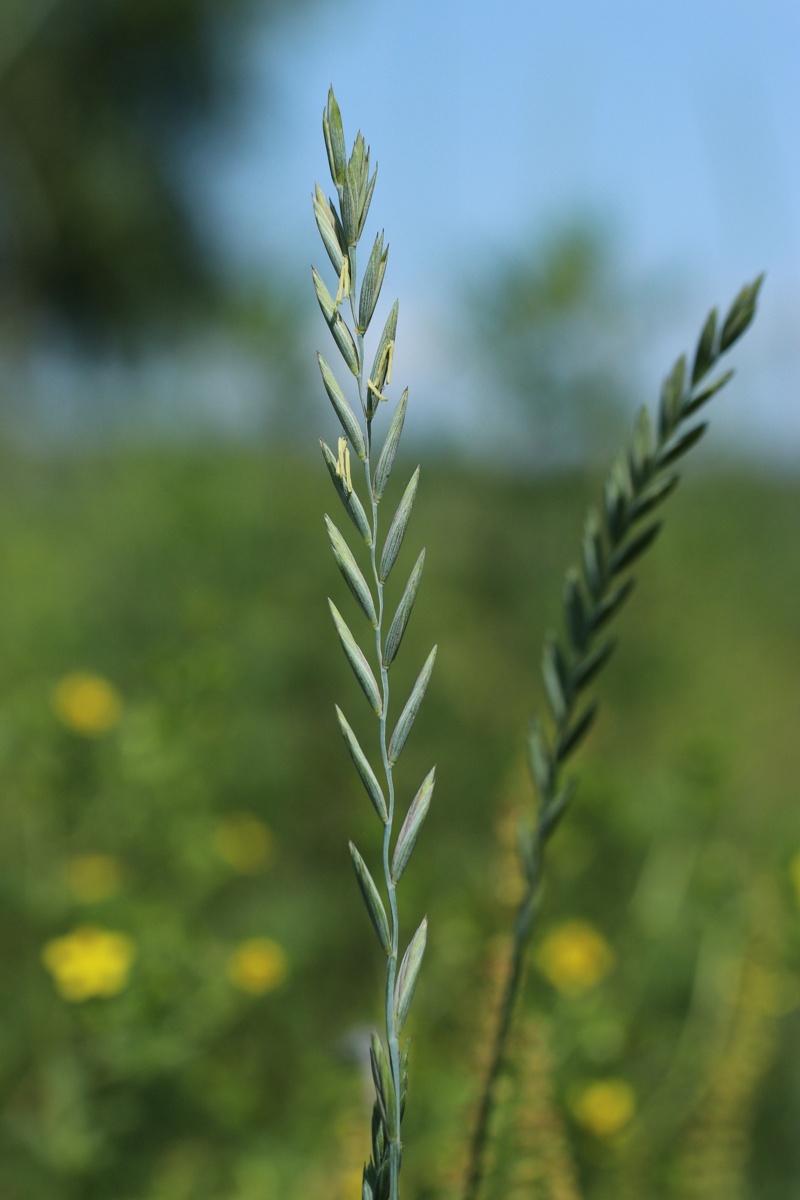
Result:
[{"x": 198, "y": 810}]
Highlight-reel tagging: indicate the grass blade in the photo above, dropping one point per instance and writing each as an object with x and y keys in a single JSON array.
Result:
[
  {"x": 409, "y": 713},
  {"x": 362, "y": 766},
  {"x": 355, "y": 656},
  {"x": 372, "y": 900},
  {"x": 407, "y": 976},
  {"x": 343, "y": 410},
  {"x": 397, "y": 529},
  {"x": 401, "y": 617},
  {"x": 351, "y": 572},
  {"x": 413, "y": 823},
  {"x": 386, "y": 460},
  {"x": 350, "y": 500}
]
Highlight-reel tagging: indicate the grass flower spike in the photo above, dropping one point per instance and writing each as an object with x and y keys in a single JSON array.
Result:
[
  {"x": 341, "y": 222},
  {"x": 615, "y": 537}
]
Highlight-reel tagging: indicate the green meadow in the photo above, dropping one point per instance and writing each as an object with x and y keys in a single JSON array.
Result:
[{"x": 187, "y": 969}]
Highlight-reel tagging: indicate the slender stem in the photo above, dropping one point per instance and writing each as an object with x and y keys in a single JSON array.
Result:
[{"x": 391, "y": 961}]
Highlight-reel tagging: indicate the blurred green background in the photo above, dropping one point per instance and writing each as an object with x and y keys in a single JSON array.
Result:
[{"x": 187, "y": 969}]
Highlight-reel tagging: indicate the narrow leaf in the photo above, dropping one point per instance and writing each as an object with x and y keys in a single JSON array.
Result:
[
  {"x": 539, "y": 760},
  {"x": 325, "y": 300},
  {"x": 343, "y": 410},
  {"x": 372, "y": 900},
  {"x": 334, "y": 139},
  {"x": 652, "y": 496},
  {"x": 575, "y": 612},
  {"x": 371, "y": 286},
  {"x": 740, "y": 314},
  {"x": 554, "y": 678},
  {"x": 615, "y": 511},
  {"x": 415, "y": 817},
  {"x": 379, "y": 366},
  {"x": 574, "y": 735},
  {"x": 344, "y": 340},
  {"x": 407, "y": 976},
  {"x": 397, "y": 529},
  {"x": 705, "y": 355},
  {"x": 409, "y": 713},
  {"x": 404, "y": 1052},
  {"x": 384, "y": 1084},
  {"x": 378, "y": 1135},
  {"x": 555, "y": 811},
  {"x": 677, "y": 449},
  {"x": 367, "y": 199},
  {"x": 362, "y": 766},
  {"x": 593, "y": 555},
  {"x": 398, "y": 626},
  {"x": 626, "y": 555},
  {"x": 350, "y": 500},
  {"x": 351, "y": 572},
  {"x": 640, "y": 453},
  {"x": 608, "y": 607},
  {"x": 355, "y": 656},
  {"x": 703, "y": 397},
  {"x": 585, "y": 671},
  {"x": 386, "y": 460},
  {"x": 328, "y": 230},
  {"x": 671, "y": 403},
  {"x": 349, "y": 196}
]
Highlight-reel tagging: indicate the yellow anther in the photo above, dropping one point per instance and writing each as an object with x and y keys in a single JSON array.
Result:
[
  {"x": 343, "y": 290},
  {"x": 343, "y": 465},
  {"x": 371, "y": 387},
  {"x": 384, "y": 369}
]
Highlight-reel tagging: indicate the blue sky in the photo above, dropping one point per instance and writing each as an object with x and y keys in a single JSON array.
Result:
[{"x": 678, "y": 123}]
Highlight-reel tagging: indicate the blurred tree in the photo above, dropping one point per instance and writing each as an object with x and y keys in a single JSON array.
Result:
[
  {"x": 96, "y": 97},
  {"x": 554, "y": 328}
]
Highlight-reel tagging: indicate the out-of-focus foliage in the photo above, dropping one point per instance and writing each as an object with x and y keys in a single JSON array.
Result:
[
  {"x": 97, "y": 98},
  {"x": 185, "y": 959},
  {"x": 552, "y": 326}
]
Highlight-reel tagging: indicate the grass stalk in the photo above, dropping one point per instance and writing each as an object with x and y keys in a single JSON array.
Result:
[
  {"x": 614, "y": 538},
  {"x": 341, "y": 226}
]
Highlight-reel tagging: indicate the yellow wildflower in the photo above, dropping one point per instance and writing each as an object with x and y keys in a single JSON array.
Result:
[
  {"x": 245, "y": 843},
  {"x": 87, "y": 704},
  {"x": 258, "y": 966},
  {"x": 605, "y": 1107},
  {"x": 89, "y": 962},
  {"x": 574, "y": 957},
  {"x": 93, "y": 877}
]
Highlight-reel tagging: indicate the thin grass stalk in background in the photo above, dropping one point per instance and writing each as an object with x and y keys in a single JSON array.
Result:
[{"x": 613, "y": 539}]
